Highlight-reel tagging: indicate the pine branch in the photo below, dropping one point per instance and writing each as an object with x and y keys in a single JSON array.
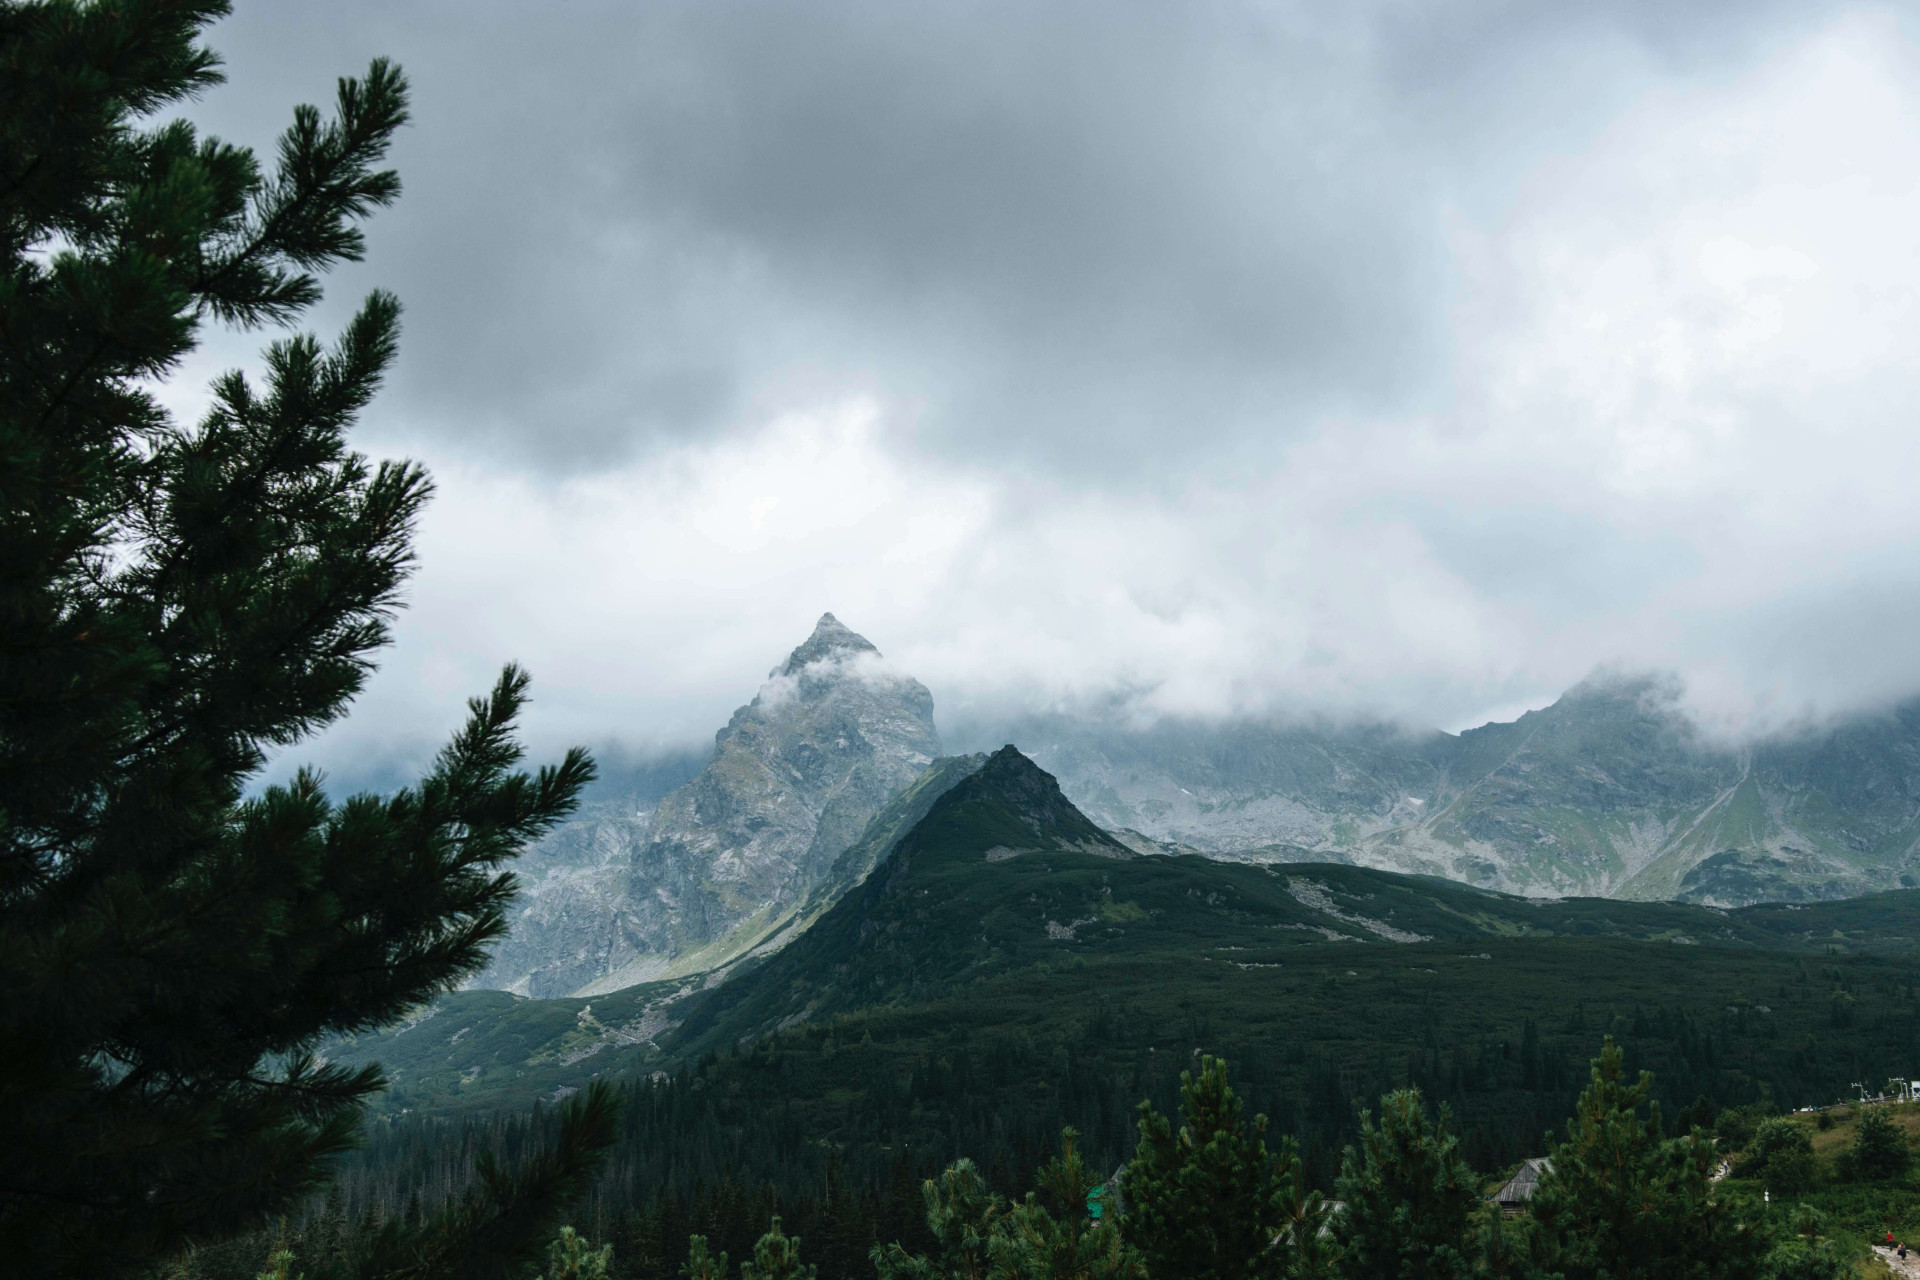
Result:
[{"x": 174, "y": 603}]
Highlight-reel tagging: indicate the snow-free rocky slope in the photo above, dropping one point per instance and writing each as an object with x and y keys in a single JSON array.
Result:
[
  {"x": 1610, "y": 791},
  {"x": 729, "y": 861}
]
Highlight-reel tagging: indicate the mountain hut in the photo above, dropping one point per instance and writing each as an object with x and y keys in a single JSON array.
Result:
[{"x": 1514, "y": 1196}]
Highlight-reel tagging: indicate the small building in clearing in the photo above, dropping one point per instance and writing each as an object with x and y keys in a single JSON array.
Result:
[{"x": 1513, "y": 1197}]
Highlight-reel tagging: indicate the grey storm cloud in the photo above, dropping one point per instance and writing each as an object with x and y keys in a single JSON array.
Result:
[
  {"x": 1085, "y": 232},
  {"x": 1404, "y": 358}
]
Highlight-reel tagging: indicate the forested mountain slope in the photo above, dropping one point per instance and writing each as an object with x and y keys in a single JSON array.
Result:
[{"x": 1003, "y": 906}]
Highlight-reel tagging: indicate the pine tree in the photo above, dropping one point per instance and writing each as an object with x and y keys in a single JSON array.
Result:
[
  {"x": 499, "y": 1227},
  {"x": 1051, "y": 1237},
  {"x": 969, "y": 1227},
  {"x": 1511, "y": 1250},
  {"x": 1204, "y": 1203},
  {"x": 328, "y": 1235},
  {"x": 281, "y": 1267},
  {"x": 1622, "y": 1203},
  {"x": 1879, "y": 1147},
  {"x": 776, "y": 1256},
  {"x": 572, "y": 1257},
  {"x": 1408, "y": 1193},
  {"x": 1312, "y": 1250},
  {"x": 701, "y": 1265},
  {"x": 845, "y": 1225},
  {"x": 175, "y": 603}
]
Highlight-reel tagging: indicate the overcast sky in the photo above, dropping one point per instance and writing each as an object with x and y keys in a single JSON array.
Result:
[{"x": 1400, "y": 359}]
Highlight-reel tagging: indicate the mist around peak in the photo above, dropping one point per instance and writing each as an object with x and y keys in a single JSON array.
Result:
[{"x": 831, "y": 638}]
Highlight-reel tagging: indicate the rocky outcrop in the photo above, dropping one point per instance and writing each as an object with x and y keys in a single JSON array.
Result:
[
  {"x": 568, "y": 923},
  {"x": 725, "y": 862}
]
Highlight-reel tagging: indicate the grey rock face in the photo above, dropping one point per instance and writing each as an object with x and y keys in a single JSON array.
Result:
[
  {"x": 1609, "y": 791},
  {"x": 727, "y": 860},
  {"x": 567, "y": 924},
  {"x": 890, "y": 825},
  {"x": 1612, "y": 790},
  {"x": 1224, "y": 787}
]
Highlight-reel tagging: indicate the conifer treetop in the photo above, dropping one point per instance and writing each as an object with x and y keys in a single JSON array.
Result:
[{"x": 177, "y": 603}]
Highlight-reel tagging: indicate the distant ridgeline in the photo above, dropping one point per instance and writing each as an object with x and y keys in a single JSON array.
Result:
[
  {"x": 838, "y": 959},
  {"x": 1611, "y": 791},
  {"x": 1008, "y": 967}
]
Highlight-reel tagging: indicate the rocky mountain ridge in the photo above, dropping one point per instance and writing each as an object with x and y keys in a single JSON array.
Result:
[
  {"x": 725, "y": 862},
  {"x": 1611, "y": 791},
  {"x": 1003, "y": 896}
]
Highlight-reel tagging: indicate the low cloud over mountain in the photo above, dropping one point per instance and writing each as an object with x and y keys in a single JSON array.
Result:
[{"x": 1358, "y": 360}]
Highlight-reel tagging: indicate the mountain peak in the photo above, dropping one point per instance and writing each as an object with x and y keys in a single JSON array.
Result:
[
  {"x": 1012, "y": 770},
  {"x": 1009, "y": 805},
  {"x": 830, "y": 636}
]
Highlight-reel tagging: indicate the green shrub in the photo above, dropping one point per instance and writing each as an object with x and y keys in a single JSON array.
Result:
[
  {"x": 1771, "y": 1140},
  {"x": 1734, "y": 1129},
  {"x": 1879, "y": 1147},
  {"x": 1806, "y": 1252},
  {"x": 1792, "y": 1171}
]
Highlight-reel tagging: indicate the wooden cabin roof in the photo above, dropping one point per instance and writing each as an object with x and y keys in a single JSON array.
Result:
[{"x": 1524, "y": 1183}]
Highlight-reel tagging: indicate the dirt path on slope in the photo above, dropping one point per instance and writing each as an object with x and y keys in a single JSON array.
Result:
[{"x": 1909, "y": 1270}]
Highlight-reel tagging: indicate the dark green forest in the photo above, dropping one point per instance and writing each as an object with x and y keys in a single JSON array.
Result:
[
  {"x": 719, "y": 1150},
  {"x": 834, "y": 1125}
]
